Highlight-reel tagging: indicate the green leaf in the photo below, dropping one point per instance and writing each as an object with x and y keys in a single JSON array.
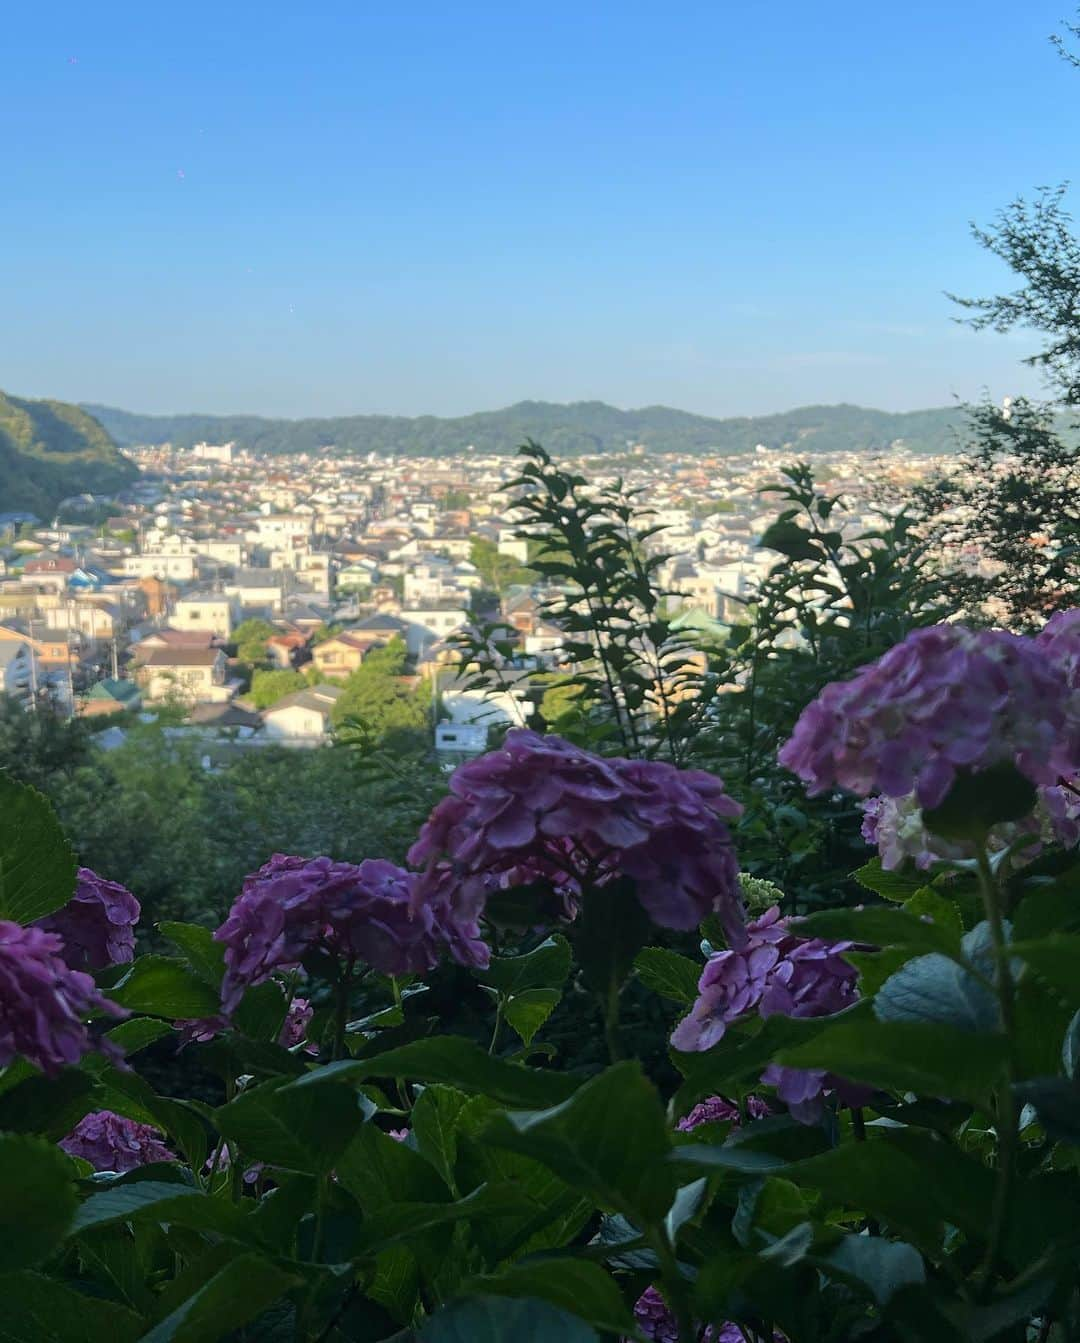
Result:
[
  {"x": 37, "y": 865},
  {"x": 205, "y": 956},
  {"x": 163, "y": 987},
  {"x": 41, "y": 1308},
  {"x": 1056, "y": 961},
  {"x": 791, "y": 540},
  {"x": 669, "y": 974},
  {"x": 300, "y": 1130},
  {"x": 139, "y": 1033},
  {"x": 159, "y": 1201},
  {"x": 457, "y": 1062},
  {"x": 434, "y": 1119},
  {"x": 936, "y": 990},
  {"x": 395, "y": 1283},
  {"x": 911, "y": 1181},
  {"x": 879, "y": 1267},
  {"x": 901, "y": 1056},
  {"x": 493, "y": 1319},
  {"x": 977, "y": 802},
  {"x": 234, "y": 1296},
  {"x": 880, "y": 926},
  {"x": 575, "y": 1285},
  {"x": 39, "y": 1200},
  {"x": 609, "y": 932},
  {"x": 1070, "y": 1049},
  {"x": 402, "y": 1221},
  {"x": 889, "y": 885},
  {"x": 128, "y": 1093},
  {"x": 609, "y": 1139},
  {"x": 928, "y": 903},
  {"x": 47, "y": 1106},
  {"x": 545, "y": 967},
  {"x": 378, "y": 1171},
  {"x": 527, "y": 1011},
  {"x": 746, "y": 1049}
]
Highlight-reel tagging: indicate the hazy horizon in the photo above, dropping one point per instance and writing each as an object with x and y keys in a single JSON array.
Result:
[{"x": 422, "y": 211}]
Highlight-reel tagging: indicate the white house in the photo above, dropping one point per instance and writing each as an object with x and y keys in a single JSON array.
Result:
[
  {"x": 213, "y": 611},
  {"x": 175, "y": 568},
  {"x": 428, "y": 624},
  {"x": 303, "y": 718}
]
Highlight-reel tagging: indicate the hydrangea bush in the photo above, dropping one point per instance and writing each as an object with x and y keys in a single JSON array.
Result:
[{"x": 869, "y": 1127}]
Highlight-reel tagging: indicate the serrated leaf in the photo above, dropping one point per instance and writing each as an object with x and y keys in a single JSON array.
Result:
[
  {"x": 47, "y": 1106},
  {"x": 669, "y": 974},
  {"x": 434, "y": 1120},
  {"x": 889, "y": 885},
  {"x": 234, "y": 1296},
  {"x": 977, "y": 802},
  {"x": 158, "y": 1201},
  {"x": 609, "y": 1140},
  {"x": 37, "y": 865},
  {"x": 933, "y": 1060},
  {"x": 878, "y": 1266},
  {"x": 527, "y": 1011},
  {"x": 934, "y": 989},
  {"x": 303, "y": 1131},
  {"x": 203, "y": 954},
  {"x": 40, "y": 1308},
  {"x": 545, "y": 967},
  {"x": 165, "y": 987},
  {"x": 881, "y": 926}
]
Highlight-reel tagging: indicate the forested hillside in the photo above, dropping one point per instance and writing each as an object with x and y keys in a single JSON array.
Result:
[
  {"x": 49, "y": 450},
  {"x": 579, "y": 428}
]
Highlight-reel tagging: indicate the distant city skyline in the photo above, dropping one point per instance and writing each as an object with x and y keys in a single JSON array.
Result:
[{"x": 417, "y": 209}]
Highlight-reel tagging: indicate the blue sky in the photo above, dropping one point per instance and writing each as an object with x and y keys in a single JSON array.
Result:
[{"x": 352, "y": 207}]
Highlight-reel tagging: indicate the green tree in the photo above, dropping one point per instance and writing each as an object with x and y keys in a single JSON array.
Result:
[
  {"x": 377, "y": 701},
  {"x": 267, "y": 687},
  {"x": 250, "y": 638},
  {"x": 497, "y": 572}
]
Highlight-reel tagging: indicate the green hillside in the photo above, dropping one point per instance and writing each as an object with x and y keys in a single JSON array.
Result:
[
  {"x": 584, "y": 427},
  {"x": 49, "y": 450}
]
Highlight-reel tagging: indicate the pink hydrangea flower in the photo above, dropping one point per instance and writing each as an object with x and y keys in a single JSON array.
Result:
[
  {"x": 97, "y": 924},
  {"x": 946, "y": 699},
  {"x": 543, "y": 807},
  {"x": 366, "y": 912},
  {"x": 657, "y": 1323},
  {"x": 44, "y": 1004},
  {"x": 115, "y": 1143}
]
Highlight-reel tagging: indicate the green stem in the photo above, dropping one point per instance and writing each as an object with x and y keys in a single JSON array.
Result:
[
  {"x": 609, "y": 1006},
  {"x": 342, "y": 993},
  {"x": 1007, "y": 1115},
  {"x": 498, "y": 1025}
]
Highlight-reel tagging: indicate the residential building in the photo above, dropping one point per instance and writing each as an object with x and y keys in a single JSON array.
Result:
[
  {"x": 303, "y": 718},
  {"x": 16, "y": 672},
  {"x": 213, "y": 611},
  {"x": 191, "y": 675}
]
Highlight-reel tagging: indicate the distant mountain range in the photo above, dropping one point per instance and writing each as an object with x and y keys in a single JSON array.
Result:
[
  {"x": 49, "y": 450},
  {"x": 581, "y": 428}
]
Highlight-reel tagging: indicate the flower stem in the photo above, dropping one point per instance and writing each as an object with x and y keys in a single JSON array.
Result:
[
  {"x": 498, "y": 1024},
  {"x": 1007, "y": 1117},
  {"x": 674, "y": 1287},
  {"x": 609, "y": 1006}
]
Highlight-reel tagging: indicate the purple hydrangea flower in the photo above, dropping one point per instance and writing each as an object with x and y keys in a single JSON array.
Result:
[
  {"x": 658, "y": 1323},
  {"x": 946, "y": 699},
  {"x": 398, "y": 1134},
  {"x": 97, "y": 924},
  {"x": 717, "y": 1110},
  {"x": 113, "y": 1142},
  {"x": 293, "y": 906},
  {"x": 44, "y": 1004},
  {"x": 294, "y": 1029},
  {"x": 776, "y": 973},
  {"x": 542, "y": 807}
]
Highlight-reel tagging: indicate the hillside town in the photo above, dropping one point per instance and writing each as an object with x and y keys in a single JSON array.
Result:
[{"x": 179, "y": 596}]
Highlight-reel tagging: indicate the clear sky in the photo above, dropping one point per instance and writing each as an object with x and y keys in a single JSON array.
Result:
[{"x": 343, "y": 206}]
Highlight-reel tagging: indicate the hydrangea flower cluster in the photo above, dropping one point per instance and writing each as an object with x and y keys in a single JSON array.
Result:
[
  {"x": 656, "y": 1322},
  {"x": 543, "y": 807},
  {"x": 895, "y": 827},
  {"x": 367, "y": 912},
  {"x": 775, "y": 972},
  {"x": 97, "y": 924},
  {"x": 717, "y": 1110},
  {"x": 113, "y": 1142},
  {"x": 44, "y": 1004},
  {"x": 946, "y": 699}
]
